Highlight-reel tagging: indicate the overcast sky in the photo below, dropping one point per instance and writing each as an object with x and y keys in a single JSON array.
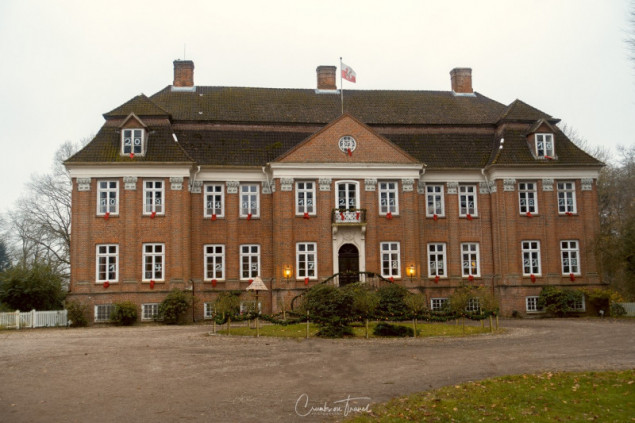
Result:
[{"x": 65, "y": 63}]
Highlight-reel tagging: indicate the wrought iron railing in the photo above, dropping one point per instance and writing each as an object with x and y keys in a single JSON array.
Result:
[{"x": 349, "y": 216}]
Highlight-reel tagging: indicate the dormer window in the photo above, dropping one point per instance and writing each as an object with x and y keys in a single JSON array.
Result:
[
  {"x": 132, "y": 141},
  {"x": 544, "y": 146}
]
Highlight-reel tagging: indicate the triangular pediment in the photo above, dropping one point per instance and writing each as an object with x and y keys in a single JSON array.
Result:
[{"x": 346, "y": 140}]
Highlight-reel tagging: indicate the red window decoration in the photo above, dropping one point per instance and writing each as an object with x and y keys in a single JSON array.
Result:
[
  {"x": 569, "y": 214},
  {"x": 106, "y": 216},
  {"x": 470, "y": 278},
  {"x": 356, "y": 215},
  {"x": 152, "y": 284},
  {"x": 214, "y": 282},
  {"x": 389, "y": 215},
  {"x": 572, "y": 277},
  {"x": 250, "y": 281},
  {"x": 153, "y": 215},
  {"x": 306, "y": 281},
  {"x": 435, "y": 217},
  {"x": 342, "y": 216},
  {"x": 529, "y": 214},
  {"x": 132, "y": 155},
  {"x": 392, "y": 279},
  {"x": 469, "y": 216},
  {"x": 349, "y": 152},
  {"x": 214, "y": 216},
  {"x": 306, "y": 215},
  {"x": 249, "y": 216},
  {"x": 533, "y": 278},
  {"x": 106, "y": 284},
  {"x": 436, "y": 279}
]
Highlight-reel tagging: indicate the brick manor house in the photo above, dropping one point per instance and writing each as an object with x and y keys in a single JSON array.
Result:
[{"x": 206, "y": 188}]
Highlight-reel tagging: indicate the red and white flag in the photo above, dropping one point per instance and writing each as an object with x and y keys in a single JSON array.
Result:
[{"x": 348, "y": 73}]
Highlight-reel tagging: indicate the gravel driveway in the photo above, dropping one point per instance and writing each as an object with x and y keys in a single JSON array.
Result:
[{"x": 162, "y": 373}]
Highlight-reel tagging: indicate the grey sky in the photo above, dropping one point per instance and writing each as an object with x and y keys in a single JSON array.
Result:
[{"x": 64, "y": 63}]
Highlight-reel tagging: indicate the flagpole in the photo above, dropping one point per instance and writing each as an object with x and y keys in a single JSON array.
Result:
[{"x": 341, "y": 87}]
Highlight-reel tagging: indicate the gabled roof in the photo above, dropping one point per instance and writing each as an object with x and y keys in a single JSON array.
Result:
[
  {"x": 536, "y": 126},
  {"x": 519, "y": 111},
  {"x": 140, "y": 106}
]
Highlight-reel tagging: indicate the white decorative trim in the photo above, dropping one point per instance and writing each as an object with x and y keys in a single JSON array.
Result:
[
  {"x": 130, "y": 183},
  {"x": 407, "y": 185},
  {"x": 119, "y": 171},
  {"x": 547, "y": 184},
  {"x": 453, "y": 187},
  {"x": 421, "y": 187},
  {"x": 487, "y": 187},
  {"x": 268, "y": 187},
  {"x": 286, "y": 184},
  {"x": 586, "y": 184},
  {"x": 195, "y": 187},
  {"x": 325, "y": 184},
  {"x": 176, "y": 183},
  {"x": 232, "y": 187},
  {"x": 509, "y": 184},
  {"x": 370, "y": 184},
  {"x": 83, "y": 184}
]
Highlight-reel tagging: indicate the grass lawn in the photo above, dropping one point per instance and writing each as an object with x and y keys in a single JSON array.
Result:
[
  {"x": 299, "y": 330},
  {"x": 548, "y": 397}
]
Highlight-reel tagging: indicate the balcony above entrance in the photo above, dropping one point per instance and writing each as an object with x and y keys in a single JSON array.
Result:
[{"x": 350, "y": 217}]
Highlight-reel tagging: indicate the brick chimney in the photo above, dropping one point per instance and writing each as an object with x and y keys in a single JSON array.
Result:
[
  {"x": 326, "y": 77},
  {"x": 461, "y": 80},
  {"x": 183, "y": 73}
]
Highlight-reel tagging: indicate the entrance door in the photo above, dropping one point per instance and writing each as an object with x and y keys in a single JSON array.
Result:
[{"x": 348, "y": 262}]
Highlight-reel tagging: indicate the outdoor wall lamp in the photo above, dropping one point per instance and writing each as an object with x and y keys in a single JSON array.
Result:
[
  {"x": 410, "y": 271},
  {"x": 287, "y": 272}
]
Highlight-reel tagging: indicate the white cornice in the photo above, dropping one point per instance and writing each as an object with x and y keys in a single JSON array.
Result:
[
  {"x": 557, "y": 173},
  {"x": 345, "y": 170},
  {"x": 118, "y": 171}
]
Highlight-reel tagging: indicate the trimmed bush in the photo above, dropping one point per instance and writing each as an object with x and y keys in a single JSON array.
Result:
[
  {"x": 77, "y": 314},
  {"x": 331, "y": 308},
  {"x": 391, "y": 302},
  {"x": 173, "y": 308},
  {"x": 124, "y": 314},
  {"x": 558, "y": 301},
  {"x": 386, "y": 329}
]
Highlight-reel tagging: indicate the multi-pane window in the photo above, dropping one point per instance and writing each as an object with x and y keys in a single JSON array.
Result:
[
  {"x": 388, "y": 199},
  {"x": 470, "y": 259},
  {"x": 434, "y": 201},
  {"x": 579, "y": 304},
  {"x": 249, "y": 200},
  {"x": 153, "y": 259},
  {"x": 532, "y": 305},
  {"x": 527, "y": 197},
  {"x": 570, "y": 253},
  {"x": 209, "y": 310},
  {"x": 149, "y": 311},
  {"x": 436, "y": 260},
  {"x": 132, "y": 141},
  {"x": 473, "y": 305},
  {"x": 544, "y": 145},
  {"x": 306, "y": 260},
  {"x": 390, "y": 261},
  {"x": 566, "y": 197},
  {"x": 153, "y": 197},
  {"x": 438, "y": 304},
  {"x": 467, "y": 200},
  {"x": 305, "y": 197},
  {"x": 531, "y": 258},
  {"x": 249, "y": 261},
  {"x": 250, "y": 307},
  {"x": 107, "y": 197},
  {"x": 214, "y": 262},
  {"x": 347, "y": 197},
  {"x": 214, "y": 200},
  {"x": 107, "y": 263},
  {"x": 102, "y": 312}
]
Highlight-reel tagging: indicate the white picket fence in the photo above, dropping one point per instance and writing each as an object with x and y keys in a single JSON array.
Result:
[
  {"x": 629, "y": 307},
  {"x": 33, "y": 319}
]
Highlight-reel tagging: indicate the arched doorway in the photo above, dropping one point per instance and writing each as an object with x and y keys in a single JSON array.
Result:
[{"x": 348, "y": 264}]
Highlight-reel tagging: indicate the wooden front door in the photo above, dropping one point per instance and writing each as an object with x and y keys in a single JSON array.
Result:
[{"x": 348, "y": 262}]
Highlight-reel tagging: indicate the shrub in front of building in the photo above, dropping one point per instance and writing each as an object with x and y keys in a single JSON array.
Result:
[
  {"x": 124, "y": 313},
  {"x": 172, "y": 309}
]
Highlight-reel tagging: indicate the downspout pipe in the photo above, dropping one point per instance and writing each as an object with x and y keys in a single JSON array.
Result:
[{"x": 491, "y": 221}]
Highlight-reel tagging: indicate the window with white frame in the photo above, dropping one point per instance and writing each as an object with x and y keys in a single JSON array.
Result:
[
  {"x": 107, "y": 263},
  {"x": 570, "y": 253},
  {"x": 579, "y": 304},
  {"x": 473, "y": 305},
  {"x": 102, "y": 312},
  {"x": 435, "y": 203},
  {"x": 566, "y": 197},
  {"x": 544, "y": 146},
  {"x": 209, "y": 309},
  {"x": 438, "y": 304},
  {"x": 388, "y": 198},
  {"x": 305, "y": 198},
  {"x": 214, "y": 200},
  {"x": 470, "y": 259},
  {"x": 153, "y": 197},
  {"x": 132, "y": 141},
  {"x": 149, "y": 311},
  {"x": 249, "y": 261},
  {"x": 532, "y": 305},
  {"x": 531, "y": 258},
  {"x": 306, "y": 260},
  {"x": 347, "y": 195},
  {"x": 153, "y": 259},
  {"x": 249, "y": 200},
  {"x": 214, "y": 258},
  {"x": 467, "y": 200},
  {"x": 527, "y": 197},
  {"x": 250, "y": 307},
  {"x": 436, "y": 260},
  {"x": 390, "y": 260},
  {"x": 107, "y": 197}
]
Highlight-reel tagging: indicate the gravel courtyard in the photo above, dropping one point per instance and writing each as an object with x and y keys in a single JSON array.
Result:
[{"x": 163, "y": 373}]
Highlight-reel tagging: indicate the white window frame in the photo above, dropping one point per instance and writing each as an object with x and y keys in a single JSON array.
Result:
[
  {"x": 306, "y": 260},
  {"x": 467, "y": 195},
  {"x": 110, "y": 254},
  {"x": 245, "y": 305},
  {"x": 579, "y": 306},
  {"x": 212, "y": 256},
  {"x": 528, "y": 197},
  {"x": 110, "y": 202},
  {"x": 250, "y": 200},
  {"x": 470, "y": 259},
  {"x": 214, "y": 196},
  {"x": 436, "y": 259},
  {"x": 566, "y": 197},
  {"x": 531, "y": 258},
  {"x": 545, "y": 145},
  {"x": 435, "y": 200},
  {"x": 473, "y": 305},
  {"x": 347, "y": 198},
  {"x": 250, "y": 256},
  {"x": 570, "y": 250},
  {"x": 149, "y": 311},
  {"x": 388, "y": 192},
  {"x": 531, "y": 304},
  {"x": 390, "y": 259},
  {"x": 153, "y": 257},
  {"x": 133, "y": 135},
  {"x": 100, "y": 309},
  {"x": 209, "y": 309},
  {"x": 305, "y": 198},
  {"x": 156, "y": 194},
  {"x": 437, "y": 304}
]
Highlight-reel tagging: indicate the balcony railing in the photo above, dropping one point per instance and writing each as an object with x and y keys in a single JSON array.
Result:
[{"x": 349, "y": 216}]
